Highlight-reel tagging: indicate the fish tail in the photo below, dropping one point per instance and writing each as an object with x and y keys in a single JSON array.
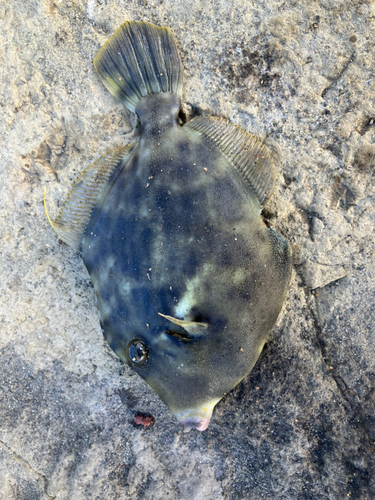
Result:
[{"x": 139, "y": 59}]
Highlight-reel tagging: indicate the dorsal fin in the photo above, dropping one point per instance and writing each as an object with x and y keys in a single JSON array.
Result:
[
  {"x": 74, "y": 216},
  {"x": 245, "y": 152}
]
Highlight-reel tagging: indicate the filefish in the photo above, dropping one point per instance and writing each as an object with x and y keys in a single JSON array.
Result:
[{"x": 188, "y": 279}]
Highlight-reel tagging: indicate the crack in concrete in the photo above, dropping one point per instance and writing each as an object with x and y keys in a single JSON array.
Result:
[
  {"x": 346, "y": 393},
  {"x": 339, "y": 75},
  {"x": 333, "y": 280},
  {"x": 25, "y": 462}
]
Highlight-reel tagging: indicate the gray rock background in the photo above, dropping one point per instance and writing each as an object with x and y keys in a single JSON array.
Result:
[{"x": 302, "y": 425}]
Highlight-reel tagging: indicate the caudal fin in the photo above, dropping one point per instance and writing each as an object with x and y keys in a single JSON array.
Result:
[{"x": 139, "y": 59}]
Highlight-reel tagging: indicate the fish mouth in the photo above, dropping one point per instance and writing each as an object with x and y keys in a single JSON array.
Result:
[
  {"x": 200, "y": 424},
  {"x": 197, "y": 418}
]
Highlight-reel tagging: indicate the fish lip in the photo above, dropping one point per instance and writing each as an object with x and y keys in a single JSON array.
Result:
[
  {"x": 189, "y": 423},
  {"x": 196, "y": 418}
]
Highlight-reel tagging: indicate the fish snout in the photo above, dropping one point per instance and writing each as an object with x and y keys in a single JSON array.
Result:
[
  {"x": 197, "y": 418},
  {"x": 200, "y": 424}
]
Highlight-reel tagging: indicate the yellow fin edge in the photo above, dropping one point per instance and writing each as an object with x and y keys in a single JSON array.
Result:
[{"x": 47, "y": 214}]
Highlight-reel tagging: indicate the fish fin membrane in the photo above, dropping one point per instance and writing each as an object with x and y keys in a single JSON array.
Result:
[
  {"x": 244, "y": 151},
  {"x": 138, "y": 60},
  {"x": 73, "y": 218}
]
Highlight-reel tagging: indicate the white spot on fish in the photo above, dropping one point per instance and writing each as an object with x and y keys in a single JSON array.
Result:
[
  {"x": 127, "y": 286},
  {"x": 189, "y": 299},
  {"x": 110, "y": 262}
]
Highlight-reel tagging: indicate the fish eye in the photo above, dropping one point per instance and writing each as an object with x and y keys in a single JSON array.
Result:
[{"x": 137, "y": 351}]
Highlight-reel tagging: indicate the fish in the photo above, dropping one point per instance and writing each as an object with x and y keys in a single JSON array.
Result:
[{"x": 188, "y": 279}]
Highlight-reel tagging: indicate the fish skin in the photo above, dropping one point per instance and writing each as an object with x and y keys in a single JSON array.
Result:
[
  {"x": 188, "y": 279},
  {"x": 180, "y": 233}
]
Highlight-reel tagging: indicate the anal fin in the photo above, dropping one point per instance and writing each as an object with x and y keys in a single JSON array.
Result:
[
  {"x": 74, "y": 217},
  {"x": 244, "y": 151}
]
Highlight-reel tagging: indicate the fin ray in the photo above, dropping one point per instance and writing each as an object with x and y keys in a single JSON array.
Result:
[
  {"x": 244, "y": 151},
  {"x": 73, "y": 218},
  {"x": 139, "y": 59}
]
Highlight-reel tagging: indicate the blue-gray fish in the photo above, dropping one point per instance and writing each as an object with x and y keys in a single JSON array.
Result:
[{"x": 188, "y": 279}]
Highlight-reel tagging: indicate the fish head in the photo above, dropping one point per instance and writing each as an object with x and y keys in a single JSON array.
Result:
[{"x": 191, "y": 365}]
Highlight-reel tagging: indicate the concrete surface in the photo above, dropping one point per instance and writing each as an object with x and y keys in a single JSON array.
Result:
[{"x": 302, "y": 425}]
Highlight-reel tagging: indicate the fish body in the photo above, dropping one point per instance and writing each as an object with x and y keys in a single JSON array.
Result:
[{"x": 188, "y": 279}]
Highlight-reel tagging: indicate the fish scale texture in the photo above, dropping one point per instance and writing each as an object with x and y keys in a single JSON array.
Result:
[
  {"x": 300, "y": 426},
  {"x": 178, "y": 238}
]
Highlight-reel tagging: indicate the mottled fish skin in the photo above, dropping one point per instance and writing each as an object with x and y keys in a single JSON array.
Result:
[
  {"x": 180, "y": 233},
  {"x": 188, "y": 279}
]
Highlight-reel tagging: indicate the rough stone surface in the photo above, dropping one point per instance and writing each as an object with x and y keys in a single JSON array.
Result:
[{"x": 301, "y": 426}]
